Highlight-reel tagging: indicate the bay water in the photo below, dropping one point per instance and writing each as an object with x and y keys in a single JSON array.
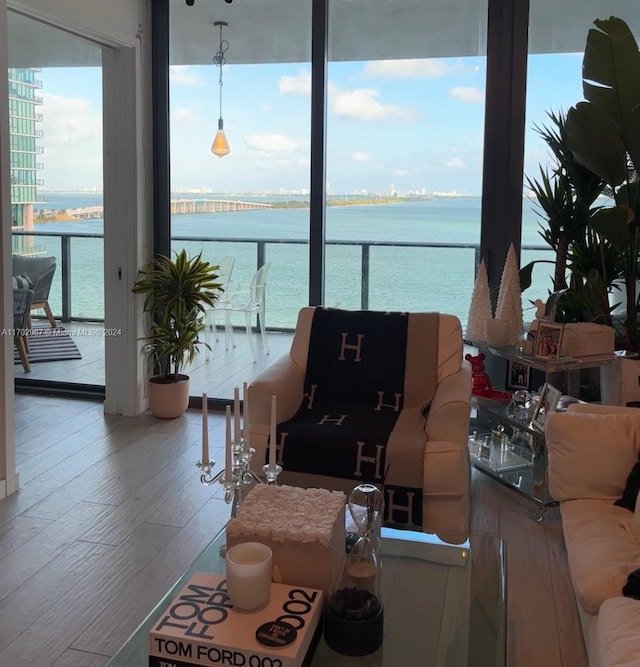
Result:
[{"x": 400, "y": 277}]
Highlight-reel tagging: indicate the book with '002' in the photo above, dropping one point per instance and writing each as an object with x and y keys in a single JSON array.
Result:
[{"x": 201, "y": 627}]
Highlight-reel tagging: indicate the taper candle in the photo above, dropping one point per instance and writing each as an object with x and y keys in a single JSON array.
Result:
[
  {"x": 272, "y": 437},
  {"x": 245, "y": 413},
  {"x": 228, "y": 467},
  {"x": 205, "y": 431},
  {"x": 236, "y": 415}
]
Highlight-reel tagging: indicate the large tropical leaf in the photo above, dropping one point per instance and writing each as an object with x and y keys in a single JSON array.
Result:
[
  {"x": 612, "y": 224},
  {"x": 611, "y": 78},
  {"x": 596, "y": 142}
]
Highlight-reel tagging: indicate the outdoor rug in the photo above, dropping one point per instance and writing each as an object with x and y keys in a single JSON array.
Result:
[{"x": 47, "y": 344}]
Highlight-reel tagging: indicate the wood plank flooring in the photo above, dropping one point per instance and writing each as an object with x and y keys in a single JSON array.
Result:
[{"x": 111, "y": 511}]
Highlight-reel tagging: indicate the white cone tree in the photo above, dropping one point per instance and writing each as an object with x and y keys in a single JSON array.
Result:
[
  {"x": 480, "y": 306},
  {"x": 509, "y": 306}
]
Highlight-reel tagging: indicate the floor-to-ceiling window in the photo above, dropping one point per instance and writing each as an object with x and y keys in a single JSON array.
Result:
[
  {"x": 424, "y": 102},
  {"x": 405, "y": 120}
]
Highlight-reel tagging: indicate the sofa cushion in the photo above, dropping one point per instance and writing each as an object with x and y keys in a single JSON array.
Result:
[
  {"x": 591, "y": 455},
  {"x": 601, "y": 549},
  {"x": 618, "y": 635}
]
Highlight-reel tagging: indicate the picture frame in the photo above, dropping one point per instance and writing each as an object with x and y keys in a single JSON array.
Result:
[
  {"x": 517, "y": 375},
  {"x": 548, "y": 340},
  {"x": 548, "y": 401}
]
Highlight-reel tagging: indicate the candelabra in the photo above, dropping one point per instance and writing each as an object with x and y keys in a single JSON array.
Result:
[{"x": 241, "y": 474}]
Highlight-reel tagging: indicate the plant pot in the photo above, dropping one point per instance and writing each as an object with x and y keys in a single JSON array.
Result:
[{"x": 168, "y": 398}]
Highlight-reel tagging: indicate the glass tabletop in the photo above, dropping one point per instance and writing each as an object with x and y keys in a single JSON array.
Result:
[{"x": 444, "y": 605}]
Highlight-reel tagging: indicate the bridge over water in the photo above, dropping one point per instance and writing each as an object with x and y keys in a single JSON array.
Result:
[{"x": 180, "y": 206}]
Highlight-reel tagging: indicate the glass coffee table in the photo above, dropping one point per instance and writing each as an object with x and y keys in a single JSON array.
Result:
[{"x": 444, "y": 605}]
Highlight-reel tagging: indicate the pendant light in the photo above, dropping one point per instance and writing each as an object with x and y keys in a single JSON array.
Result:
[{"x": 220, "y": 145}]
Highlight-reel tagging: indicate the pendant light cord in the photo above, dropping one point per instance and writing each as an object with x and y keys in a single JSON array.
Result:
[{"x": 219, "y": 59}]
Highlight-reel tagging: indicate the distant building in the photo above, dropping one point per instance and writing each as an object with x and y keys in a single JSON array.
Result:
[{"x": 23, "y": 150}]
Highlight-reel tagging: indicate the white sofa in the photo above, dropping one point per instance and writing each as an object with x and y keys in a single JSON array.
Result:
[
  {"x": 443, "y": 468},
  {"x": 592, "y": 449}
]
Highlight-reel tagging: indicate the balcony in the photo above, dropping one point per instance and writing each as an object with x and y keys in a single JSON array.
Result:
[{"x": 360, "y": 275}]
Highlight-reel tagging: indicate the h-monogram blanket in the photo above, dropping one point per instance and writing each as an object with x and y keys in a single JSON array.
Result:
[{"x": 364, "y": 404}]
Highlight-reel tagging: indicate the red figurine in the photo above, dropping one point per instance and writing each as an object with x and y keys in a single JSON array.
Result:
[{"x": 481, "y": 383}]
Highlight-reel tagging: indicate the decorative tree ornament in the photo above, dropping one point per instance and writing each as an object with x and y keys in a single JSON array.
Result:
[
  {"x": 509, "y": 306},
  {"x": 480, "y": 306}
]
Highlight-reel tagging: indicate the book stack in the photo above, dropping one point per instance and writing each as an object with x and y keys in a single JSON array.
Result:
[{"x": 201, "y": 627}]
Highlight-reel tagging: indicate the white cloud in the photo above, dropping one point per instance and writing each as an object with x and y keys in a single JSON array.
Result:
[
  {"x": 182, "y": 74},
  {"x": 182, "y": 114},
  {"x": 468, "y": 94},
  {"x": 407, "y": 69},
  {"x": 72, "y": 141},
  {"x": 360, "y": 157},
  {"x": 400, "y": 172},
  {"x": 362, "y": 104},
  {"x": 272, "y": 144},
  {"x": 299, "y": 84},
  {"x": 455, "y": 162}
]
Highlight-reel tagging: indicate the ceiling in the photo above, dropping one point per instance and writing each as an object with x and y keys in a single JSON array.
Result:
[{"x": 269, "y": 31}]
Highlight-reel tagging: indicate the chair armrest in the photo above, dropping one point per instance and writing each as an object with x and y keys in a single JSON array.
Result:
[
  {"x": 448, "y": 418},
  {"x": 285, "y": 379},
  {"x": 590, "y": 455}
]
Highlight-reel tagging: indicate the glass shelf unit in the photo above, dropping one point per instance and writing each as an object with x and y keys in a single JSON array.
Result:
[
  {"x": 551, "y": 365},
  {"x": 522, "y": 466},
  {"x": 529, "y": 479}
]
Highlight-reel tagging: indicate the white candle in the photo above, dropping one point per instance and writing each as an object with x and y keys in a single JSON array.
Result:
[
  {"x": 228, "y": 468},
  {"x": 205, "y": 431},
  {"x": 236, "y": 414},
  {"x": 272, "y": 438},
  {"x": 245, "y": 413}
]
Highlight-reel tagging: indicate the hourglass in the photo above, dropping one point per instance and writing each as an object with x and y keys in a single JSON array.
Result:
[{"x": 353, "y": 623}]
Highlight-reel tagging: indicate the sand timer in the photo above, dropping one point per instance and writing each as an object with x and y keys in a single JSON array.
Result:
[{"x": 353, "y": 623}]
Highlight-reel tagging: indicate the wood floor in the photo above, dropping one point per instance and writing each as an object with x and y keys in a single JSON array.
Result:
[{"x": 111, "y": 511}]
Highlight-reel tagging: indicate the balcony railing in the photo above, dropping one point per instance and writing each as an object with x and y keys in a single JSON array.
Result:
[{"x": 360, "y": 273}]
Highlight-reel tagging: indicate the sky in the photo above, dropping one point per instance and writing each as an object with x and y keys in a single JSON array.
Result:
[{"x": 397, "y": 125}]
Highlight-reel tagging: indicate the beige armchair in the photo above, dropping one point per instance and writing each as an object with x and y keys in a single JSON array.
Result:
[{"x": 425, "y": 459}]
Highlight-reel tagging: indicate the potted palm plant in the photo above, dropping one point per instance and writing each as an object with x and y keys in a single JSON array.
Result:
[{"x": 177, "y": 292}]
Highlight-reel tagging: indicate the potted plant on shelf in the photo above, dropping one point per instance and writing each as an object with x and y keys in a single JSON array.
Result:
[
  {"x": 585, "y": 264},
  {"x": 177, "y": 292},
  {"x": 604, "y": 135}
]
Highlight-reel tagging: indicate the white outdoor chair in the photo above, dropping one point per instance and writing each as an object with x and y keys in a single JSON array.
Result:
[
  {"x": 224, "y": 278},
  {"x": 248, "y": 302}
]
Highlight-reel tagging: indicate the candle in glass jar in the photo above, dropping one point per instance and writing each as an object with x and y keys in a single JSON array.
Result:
[
  {"x": 272, "y": 436},
  {"x": 205, "y": 431}
]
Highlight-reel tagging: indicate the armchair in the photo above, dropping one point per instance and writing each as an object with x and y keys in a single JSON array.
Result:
[
  {"x": 403, "y": 419},
  {"x": 39, "y": 271}
]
